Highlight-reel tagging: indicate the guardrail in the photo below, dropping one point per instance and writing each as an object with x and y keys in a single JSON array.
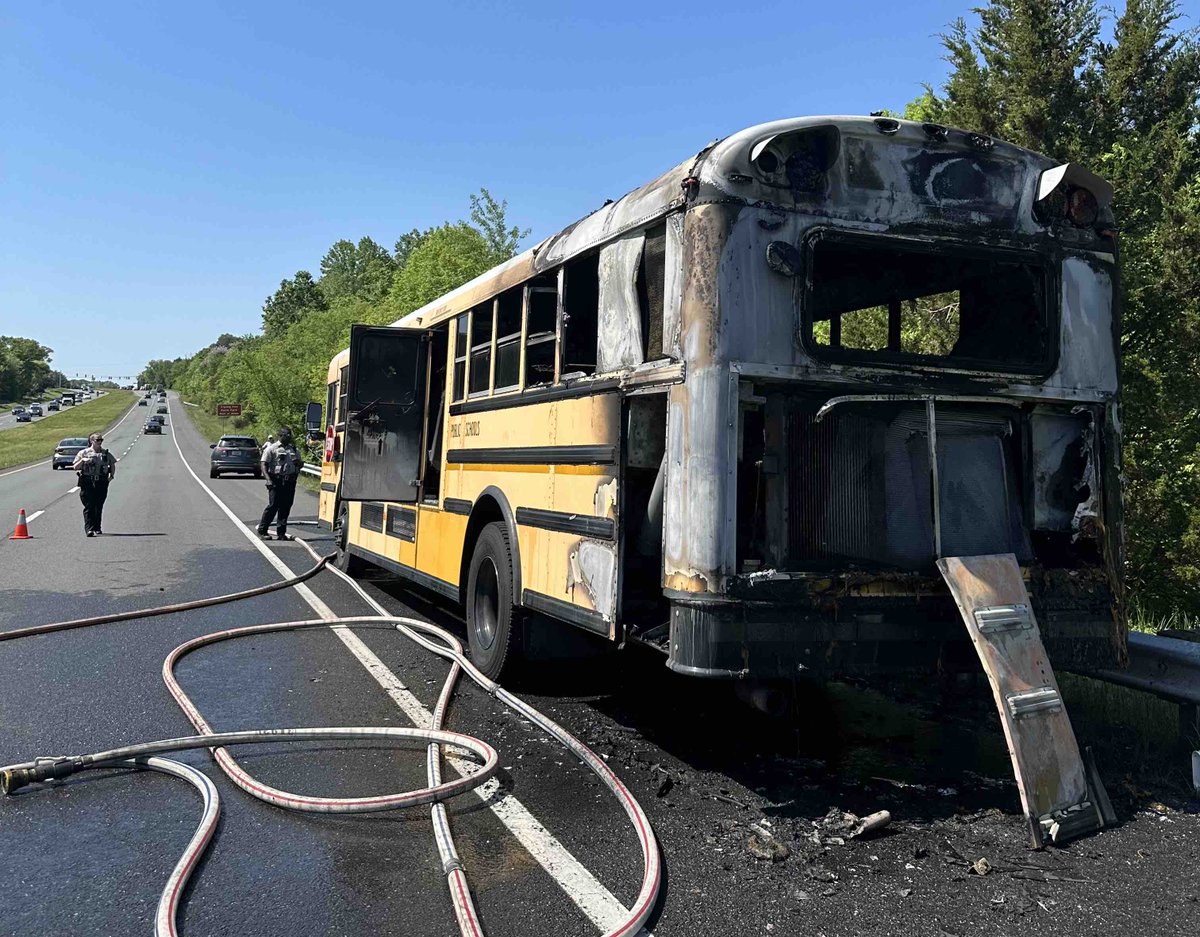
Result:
[
  {"x": 310, "y": 470},
  {"x": 1167, "y": 667}
]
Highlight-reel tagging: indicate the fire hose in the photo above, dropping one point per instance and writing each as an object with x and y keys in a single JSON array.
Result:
[{"x": 147, "y": 755}]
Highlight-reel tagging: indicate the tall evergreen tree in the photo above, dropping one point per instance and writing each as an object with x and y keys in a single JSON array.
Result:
[{"x": 1036, "y": 73}]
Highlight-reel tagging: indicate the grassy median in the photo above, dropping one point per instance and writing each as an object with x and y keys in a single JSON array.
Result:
[{"x": 36, "y": 441}]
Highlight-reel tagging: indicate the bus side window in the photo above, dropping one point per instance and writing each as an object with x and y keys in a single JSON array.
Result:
[
  {"x": 508, "y": 339},
  {"x": 581, "y": 315},
  {"x": 460, "y": 358},
  {"x": 651, "y": 288},
  {"x": 541, "y": 328},
  {"x": 482, "y": 319},
  {"x": 343, "y": 385},
  {"x": 331, "y": 402}
]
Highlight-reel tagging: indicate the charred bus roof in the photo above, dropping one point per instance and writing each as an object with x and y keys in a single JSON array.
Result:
[{"x": 875, "y": 173}]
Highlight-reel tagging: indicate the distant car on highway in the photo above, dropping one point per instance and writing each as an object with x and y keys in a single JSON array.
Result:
[
  {"x": 161, "y": 410},
  {"x": 143, "y": 402},
  {"x": 24, "y": 417},
  {"x": 52, "y": 405},
  {"x": 235, "y": 454},
  {"x": 17, "y": 409},
  {"x": 160, "y": 420},
  {"x": 67, "y": 449},
  {"x": 152, "y": 427},
  {"x": 36, "y": 409}
]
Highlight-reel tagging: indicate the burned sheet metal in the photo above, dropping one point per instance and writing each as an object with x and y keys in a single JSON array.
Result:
[
  {"x": 620, "y": 332},
  {"x": 593, "y": 568},
  {"x": 673, "y": 289},
  {"x": 1087, "y": 354},
  {"x": 1059, "y": 467}
]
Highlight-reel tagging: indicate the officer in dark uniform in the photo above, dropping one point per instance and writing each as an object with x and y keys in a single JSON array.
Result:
[
  {"x": 281, "y": 465},
  {"x": 96, "y": 467}
]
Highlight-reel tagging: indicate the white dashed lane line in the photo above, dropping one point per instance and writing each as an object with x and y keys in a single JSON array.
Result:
[
  {"x": 34, "y": 516},
  {"x": 73, "y": 490}
]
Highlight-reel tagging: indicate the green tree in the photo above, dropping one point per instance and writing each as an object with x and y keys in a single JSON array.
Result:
[
  {"x": 360, "y": 271},
  {"x": 491, "y": 220},
  {"x": 446, "y": 258},
  {"x": 294, "y": 299},
  {"x": 406, "y": 244},
  {"x": 24, "y": 367},
  {"x": 1036, "y": 72}
]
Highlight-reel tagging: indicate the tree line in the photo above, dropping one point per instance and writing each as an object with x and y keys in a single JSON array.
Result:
[
  {"x": 1116, "y": 91},
  {"x": 307, "y": 320},
  {"x": 25, "y": 369},
  {"x": 1125, "y": 102}
]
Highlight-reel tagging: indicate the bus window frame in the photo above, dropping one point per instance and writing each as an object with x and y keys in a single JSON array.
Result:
[
  {"x": 519, "y": 341},
  {"x": 555, "y": 335},
  {"x": 343, "y": 391},
  {"x": 473, "y": 350},
  {"x": 907, "y": 361},
  {"x": 452, "y": 379}
]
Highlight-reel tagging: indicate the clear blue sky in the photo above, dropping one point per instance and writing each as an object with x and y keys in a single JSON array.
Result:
[{"x": 163, "y": 166}]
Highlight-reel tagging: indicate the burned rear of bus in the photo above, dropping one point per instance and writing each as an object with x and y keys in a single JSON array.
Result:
[{"x": 900, "y": 344}]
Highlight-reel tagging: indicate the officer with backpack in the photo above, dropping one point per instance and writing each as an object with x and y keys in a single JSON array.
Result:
[
  {"x": 96, "y": 467},
  {"x": 281, "y": 464}
]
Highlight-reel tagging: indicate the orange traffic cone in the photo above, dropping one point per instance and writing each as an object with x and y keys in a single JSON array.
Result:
[{"x": 22, "y": 531}]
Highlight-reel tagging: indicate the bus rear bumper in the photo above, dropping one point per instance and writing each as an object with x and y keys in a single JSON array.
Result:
[{"x": 736, "y": 639}]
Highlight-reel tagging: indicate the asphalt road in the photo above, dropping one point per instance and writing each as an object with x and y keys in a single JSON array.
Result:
[{"x": 89, "y": 856}]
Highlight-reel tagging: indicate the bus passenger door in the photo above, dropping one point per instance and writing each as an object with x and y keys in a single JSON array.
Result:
[{"x": 385, "y": 403}]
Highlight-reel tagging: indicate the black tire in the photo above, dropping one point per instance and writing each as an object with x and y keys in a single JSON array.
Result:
[
  {"x": 258, "y": 473},
  {"x": 213, "y": 473},
  {"x": 53, "y": 466},
  {"x": 493, "y": 634},
  {"x": 345, "y": 561}
]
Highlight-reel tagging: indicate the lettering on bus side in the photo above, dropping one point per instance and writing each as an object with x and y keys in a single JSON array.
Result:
[{"x": 469, "y": 428}]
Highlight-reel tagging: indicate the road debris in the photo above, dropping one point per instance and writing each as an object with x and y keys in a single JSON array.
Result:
[
  {"x": 837, "y": 826},
  {"x": 762, "y": 844}
]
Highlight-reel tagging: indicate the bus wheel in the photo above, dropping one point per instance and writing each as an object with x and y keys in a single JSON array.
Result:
[
  {"x": 347, "y": 563},
  {"x": 493, "y": 636}
]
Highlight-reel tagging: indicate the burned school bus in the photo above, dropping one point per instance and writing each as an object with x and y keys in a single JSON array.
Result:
[{"x": 744, "y": 410}]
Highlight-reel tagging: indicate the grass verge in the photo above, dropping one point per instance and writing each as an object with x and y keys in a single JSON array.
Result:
[
  {"x": 36, "y": 441},
  {"x": 211, "y": 426}
]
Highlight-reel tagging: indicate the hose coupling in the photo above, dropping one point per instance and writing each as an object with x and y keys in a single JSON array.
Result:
[{"x": 43, "y": 769}]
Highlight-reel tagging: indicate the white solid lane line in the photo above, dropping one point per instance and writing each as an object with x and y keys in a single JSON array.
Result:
[
  {"x": 73, "y": 490},
  {"x": 583, "y": 888},
  {"x": 25, "y": 469},
  {"x": 34, "y": 516}
]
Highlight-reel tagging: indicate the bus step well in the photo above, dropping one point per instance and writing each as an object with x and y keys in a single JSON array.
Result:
[{"x": 1062, "y": 796}]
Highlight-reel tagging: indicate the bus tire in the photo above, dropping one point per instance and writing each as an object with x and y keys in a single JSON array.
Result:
[
  {"x": 345, "y": 561},
  {"x": 493, "y": 634}
]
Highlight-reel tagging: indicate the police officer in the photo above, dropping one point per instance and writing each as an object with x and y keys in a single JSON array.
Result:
[
  {"x": 96, "y": 467},
  {"x": 281, "y": 464}
]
